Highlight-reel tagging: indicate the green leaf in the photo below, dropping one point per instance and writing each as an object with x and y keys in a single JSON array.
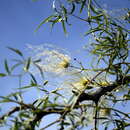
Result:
[
  {"x": 14, "y": 94},
  {"x": 46, "y": 82},
  {"x": 14, "y": 66},
  {"x": 33, "y": 79},
  {"x": 40, "y": 69},
  {"x": 6, "y": 67},
  {"x": 46, "y": 101},
  {"x": 89, "y": 4},
  {"x": 65, "y": 18},
  {"x": 37, "y": 61},
  {"x": 44, "y": 90},
  {"x": 64, "y": 10},
  {"x": 82, "y": 6},
  {"x": 26, "y": 87},
  {"x": 57, "y": 20},
  {"x": 23, "y": 114},
  {"x": 2, "y": 75},
  {"x": 27, "y": 64},
  {"x": 93, "y": 30},
  {"x": 39, "y": 103},
  {"x": 73, "y": 8},
  {"x": 16, "y": 51},
  {"x": 97, "y": 17},
  {"x": 4, "y": 99},
  {"x": 94, "y": 9},
  {"x": 66, "y": 123},
  {"x": 64, "y": 28},
  {"x": 44, "y": 21}
]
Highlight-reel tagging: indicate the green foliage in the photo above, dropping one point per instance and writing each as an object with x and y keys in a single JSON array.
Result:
[{"x": 93, "y": 91}]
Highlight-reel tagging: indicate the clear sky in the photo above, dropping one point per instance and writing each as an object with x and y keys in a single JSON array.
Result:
[{"x": 18, "y": 21}]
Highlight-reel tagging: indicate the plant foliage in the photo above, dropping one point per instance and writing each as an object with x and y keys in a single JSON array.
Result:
[{"x": 95, "y": 91}]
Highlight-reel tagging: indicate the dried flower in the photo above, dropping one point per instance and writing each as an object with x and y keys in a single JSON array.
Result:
[{"x": 104, "y": 112}]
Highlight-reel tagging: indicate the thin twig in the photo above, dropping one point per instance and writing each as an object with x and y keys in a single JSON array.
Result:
[
  {"x": 15, "y": 109},
  {"x": 50, "y": 124}
]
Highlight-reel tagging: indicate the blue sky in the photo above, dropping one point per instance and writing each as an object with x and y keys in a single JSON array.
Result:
[{"x": 18, "y": 21}]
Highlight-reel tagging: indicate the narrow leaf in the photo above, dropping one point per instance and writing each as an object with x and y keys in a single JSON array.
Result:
[
  {"x": 6, "y": 67},
  {"x": 46, "y": 82},
  {"x": 64, "y": 10},
  {"x": 37, "y": 61},
  {"x": 16, "y": 51},
  {"x": 46, "y": 100},
  {"x": 82, "y": 6},
  {"x": 40, "y": 69},
  {"x": 92, "y": 31},
  {"x": 28, "y": 64},
  {"x": 4, "y": 99},
  {"x": 26, "y": 87},
  {"x": 73, "y": 8},
  {"x": 44, "y": 21},
  {"x": 14, "y": 66},
  {"x": 63, "y": 25},
  {"x": 33, "y": 78},
  {"x": 2, "y": 75}
]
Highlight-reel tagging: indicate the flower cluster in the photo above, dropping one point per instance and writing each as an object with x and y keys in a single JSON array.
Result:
[{"x": 58, "y": 62}]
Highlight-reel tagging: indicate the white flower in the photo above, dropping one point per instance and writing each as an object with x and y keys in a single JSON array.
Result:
[
  {"x": 78, "y": 82},
  {"x": 87, "y": 81},
  {"x": 53, "y": 59}
]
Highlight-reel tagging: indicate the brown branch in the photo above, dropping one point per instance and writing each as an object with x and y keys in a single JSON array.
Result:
[
  {"x": 40, "y": 114},
  {"x": 15, "y": 109},
  {"x": 102, "y": 91}
]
